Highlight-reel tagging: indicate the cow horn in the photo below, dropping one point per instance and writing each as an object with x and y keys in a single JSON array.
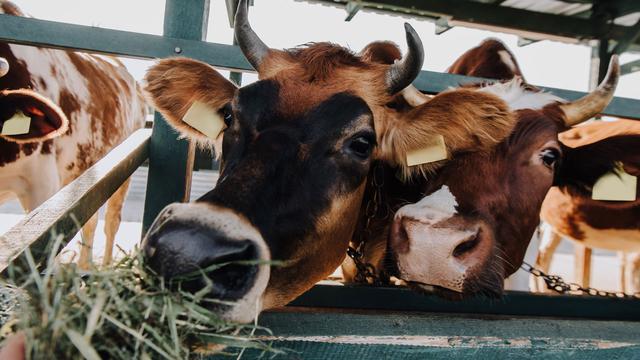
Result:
[
  {"x": 404, "y": 71},
  {"x": 596, "y": 101},
  {"x": 4, "y": 67},
  {"x": 252, "y": 47}
]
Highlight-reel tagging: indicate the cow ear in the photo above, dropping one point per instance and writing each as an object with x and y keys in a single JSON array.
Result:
[
  {"x": 26, "y": 116},
  {"x": 453, "y": 122},
  {"x": 174, "y": 85}
]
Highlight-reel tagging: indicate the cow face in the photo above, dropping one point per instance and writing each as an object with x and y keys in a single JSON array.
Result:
[
  {"x": 295, "y": 154},
  {"x": 472, "y": 228}
]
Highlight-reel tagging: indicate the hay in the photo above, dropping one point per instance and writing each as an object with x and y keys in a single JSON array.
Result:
[{"x": 120, "y": 312}]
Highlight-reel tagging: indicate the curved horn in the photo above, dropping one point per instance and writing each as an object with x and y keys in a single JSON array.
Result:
[
  {"x": 596, "y": 101},
  {"x": 405, "y": 70},
  {"x": 4, "y": 67},
  {"x": 252, "y": 47}
]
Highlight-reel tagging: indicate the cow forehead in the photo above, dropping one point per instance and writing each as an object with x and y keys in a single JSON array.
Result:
[{"x": 261, "y": 105}]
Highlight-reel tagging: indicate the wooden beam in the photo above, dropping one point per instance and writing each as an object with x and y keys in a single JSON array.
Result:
[
  {"x": 494, "y": 15},
  {"x": 513, "y": 303},
  {"x": 64, "y": 213},
  {"x": 330, "y": 334}
]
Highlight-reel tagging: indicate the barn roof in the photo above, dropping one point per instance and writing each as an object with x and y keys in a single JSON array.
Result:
[{"x": 571, "y": 21}]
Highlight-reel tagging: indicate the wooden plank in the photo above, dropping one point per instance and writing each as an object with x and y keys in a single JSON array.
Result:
[
  {"x": 124, "y": 43},
  {"x": 513, "y": 303},
  {"x": 171, "y": 159},
  {"x": 74, "y": 204},
  {"x": 400, "y": 335}
]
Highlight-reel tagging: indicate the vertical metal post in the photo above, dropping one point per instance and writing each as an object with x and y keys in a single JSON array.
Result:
[{"x": 171, "y": 160}]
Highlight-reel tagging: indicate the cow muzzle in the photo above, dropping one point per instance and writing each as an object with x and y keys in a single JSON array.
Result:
[
  {"x": 197, "y": 246},
  {"x": 436, "y": 248}
]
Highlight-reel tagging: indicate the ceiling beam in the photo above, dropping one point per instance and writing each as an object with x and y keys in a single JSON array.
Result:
[{"x": 522, "y": 22}]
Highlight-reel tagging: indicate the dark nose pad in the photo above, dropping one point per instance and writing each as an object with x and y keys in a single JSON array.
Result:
[{"x": 181, "y": 254}]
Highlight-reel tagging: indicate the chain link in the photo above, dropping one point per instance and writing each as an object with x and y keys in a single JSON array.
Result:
[
  {"x": 557, "y": 284},
  {"x": 366, "y": 272}
]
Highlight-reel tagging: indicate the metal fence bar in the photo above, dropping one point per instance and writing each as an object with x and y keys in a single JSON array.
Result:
[
  {"x": 170, "y": 159},
  {"x": 75, "y": 203},
  {"x": 124, "y": 43},
  {"x": 513, "y": 303}
]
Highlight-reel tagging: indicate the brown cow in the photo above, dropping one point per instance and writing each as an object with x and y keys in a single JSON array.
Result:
[
  {"x": 618, "y": 224},
  {"x": 295, "y": 154},
  {"x": 572, "y": 214},
  {"x": 473, "y": 226},
  {"x": 491, "y": 59},
  {"x": 100, "y": 104}
]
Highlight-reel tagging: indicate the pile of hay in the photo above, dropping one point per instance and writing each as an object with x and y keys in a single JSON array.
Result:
[{"x": 121, "y": 312}]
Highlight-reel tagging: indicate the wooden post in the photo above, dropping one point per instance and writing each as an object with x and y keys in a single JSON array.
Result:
[{"x": 170, "y": 159}]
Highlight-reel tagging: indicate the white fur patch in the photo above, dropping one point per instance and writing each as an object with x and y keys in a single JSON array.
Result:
[
  {"x": 517, "y": 97},
  {"x": 507, "y": 60},
  {"x": 435, "y": 207}
]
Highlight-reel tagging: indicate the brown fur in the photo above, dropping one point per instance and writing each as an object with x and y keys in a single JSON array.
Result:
[
  {"x": 306, "y": 77},
  {"x": 484, "y": 61}
]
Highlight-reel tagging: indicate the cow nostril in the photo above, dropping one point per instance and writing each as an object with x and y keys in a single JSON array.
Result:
[
  {"x": 193, "y": 258},
  {"x": 466, "y": 246}
]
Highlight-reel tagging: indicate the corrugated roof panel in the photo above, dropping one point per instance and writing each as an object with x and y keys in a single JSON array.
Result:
[{"x": 548, "y": 6}]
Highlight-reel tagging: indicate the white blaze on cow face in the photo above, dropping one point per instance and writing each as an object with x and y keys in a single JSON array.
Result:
[
  {"x": 517, "y": 96},
  {"x": 508, "y": 60},
  {"x": 432, "y": 229}
]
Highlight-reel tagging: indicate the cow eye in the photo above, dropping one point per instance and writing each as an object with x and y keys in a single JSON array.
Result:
[
  {"x": 227, "y": 115},
  {"x": 361, "y": 146},
  {"x": 550, "y": 157}
]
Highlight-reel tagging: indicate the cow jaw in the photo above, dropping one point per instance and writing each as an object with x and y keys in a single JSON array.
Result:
[
  {"x": 187, "y": 238},
  {"x": 434, "y": 245}
]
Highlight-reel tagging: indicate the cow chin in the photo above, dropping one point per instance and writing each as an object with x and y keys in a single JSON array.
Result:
[
  {"x": 189, "y": 240},
  {"x": 454, "y": 258}
]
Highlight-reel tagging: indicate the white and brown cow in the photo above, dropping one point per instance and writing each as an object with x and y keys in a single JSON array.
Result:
[
  {"x": 574, "y": 215},
  {"x": 80, "y": 106},
  {"x": 296, "y": 151},
  {"x": 466, "y": 227},
  {"x": 607, "y": 225}
]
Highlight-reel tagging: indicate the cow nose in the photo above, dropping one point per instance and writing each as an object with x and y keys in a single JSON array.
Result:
[{"x": 186, "y": 255}]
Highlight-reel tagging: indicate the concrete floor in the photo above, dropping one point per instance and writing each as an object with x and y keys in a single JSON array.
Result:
[{"x": 605, "y": 266}]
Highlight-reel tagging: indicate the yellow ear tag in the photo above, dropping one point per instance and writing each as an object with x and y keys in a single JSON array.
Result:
[
  {"x": 18, "y": 124},
  {"x": 204, "y": 119},
  {"x": 615, "y": 185},
  {"x": 435, "y": 150}
]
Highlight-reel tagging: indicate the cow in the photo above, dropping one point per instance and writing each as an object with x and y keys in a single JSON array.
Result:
[
  {"x": 463, "y": 229},
  {"x": 574, "y": 215},
  {"x": 562, "y": 209},
  {"x": 296, "y": 150},
  {"x": 491, "y": 59},
  {"x": 80, "y": 106}
]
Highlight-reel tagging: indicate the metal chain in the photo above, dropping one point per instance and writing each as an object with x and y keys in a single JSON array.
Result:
[
  {"x": 366, "y": 272},
  {"x": 557, "y": 284}
]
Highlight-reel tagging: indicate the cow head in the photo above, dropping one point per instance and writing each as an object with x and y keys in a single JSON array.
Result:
[
  {"x": 46, "y": 119},
  {"x": 471, "y": 228},
  {"x": 295, "y": 153}
]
